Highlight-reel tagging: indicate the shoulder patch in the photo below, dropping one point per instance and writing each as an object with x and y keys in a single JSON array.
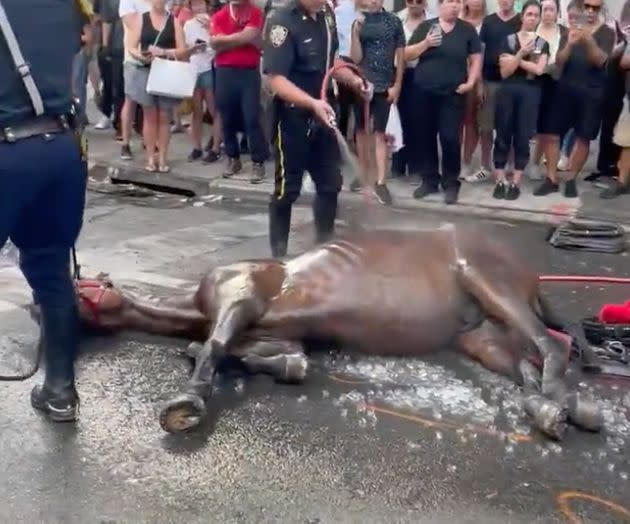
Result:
[{"x": 277, "y": 35}]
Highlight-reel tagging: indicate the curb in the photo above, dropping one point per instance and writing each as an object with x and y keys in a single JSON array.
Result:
[{"x": 242, "y": 190}]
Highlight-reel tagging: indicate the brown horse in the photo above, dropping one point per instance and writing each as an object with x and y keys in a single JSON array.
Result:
[{"x": 387, "y": 293}]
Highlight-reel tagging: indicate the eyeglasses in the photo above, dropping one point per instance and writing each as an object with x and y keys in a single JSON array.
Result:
[{"x": 592, "y": 7}]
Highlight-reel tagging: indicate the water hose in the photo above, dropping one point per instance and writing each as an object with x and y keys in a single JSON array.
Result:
[{"x": 343, "y": 145}]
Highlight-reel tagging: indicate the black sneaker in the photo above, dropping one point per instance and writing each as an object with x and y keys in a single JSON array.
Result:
[
  {"x": 234, "y": 167},
  {"x": 513, "y": 192},
  {"x": 499, "y": 190},
  {"x": 382, "y": 194},
  {"x": 258, "y": 173},
  {"x": 570, "y": 189},
  {"x": 356, "y": 185},
  {"x": 63, "y": 407},
  {"x": 195, "y": 154},
  {"x": 451, "y": 195},
  {"x": 546, "y": 188},
  {"x": 424, "y": 190},
  {"x": 211, "y": 157},
  {"x": 125, "y": 152},
  {"x": 614, "y": 190}
]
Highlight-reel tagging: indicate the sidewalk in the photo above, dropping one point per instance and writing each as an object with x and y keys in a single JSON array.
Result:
[{"x": 474, "y": 200}]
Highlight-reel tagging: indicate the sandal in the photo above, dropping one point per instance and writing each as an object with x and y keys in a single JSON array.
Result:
[
  {"x": 150, "y": 168},
  {"x": 164, "y": 169}
]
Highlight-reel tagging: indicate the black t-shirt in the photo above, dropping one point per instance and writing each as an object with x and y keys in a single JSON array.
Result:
[
  {"x": 579, "y": 71},
  {"x": 441, "y": 69},
  {"x": 511, "y": 45},
  {"x": 492, "y": 35}
]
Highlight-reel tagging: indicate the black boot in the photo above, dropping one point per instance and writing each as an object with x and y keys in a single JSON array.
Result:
[
  {"x": 324, "y": 213},
  {"x": 279, "y": 226},
  {"x": 58, "y": 397}
]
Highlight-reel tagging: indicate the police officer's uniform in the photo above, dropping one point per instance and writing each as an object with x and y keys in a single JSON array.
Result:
[
  {"x": 301, "y": 49},
  {"x": 43, "y": 175}
]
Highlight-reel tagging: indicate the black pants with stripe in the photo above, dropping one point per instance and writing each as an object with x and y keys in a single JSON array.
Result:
[{"x": 302, "y": 144}]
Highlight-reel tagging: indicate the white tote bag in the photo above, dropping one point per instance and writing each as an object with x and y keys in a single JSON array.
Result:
[
  {"x": 171, "y": 78},
  {"x": 393, "y": 131}
]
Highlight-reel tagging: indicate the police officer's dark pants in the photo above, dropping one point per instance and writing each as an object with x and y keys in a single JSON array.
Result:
[
  {"x": 516, "y": 118},
  {"x": 403, "y": 158},
  {"x": 613, "y": 104},
  {"x": 237, "y": 90},
  {"x": 302, "y": 145},
  {"x": 105, "y": 68},
  {"x": 437, "y": 115},
  {"x": 42, "y": 197}
]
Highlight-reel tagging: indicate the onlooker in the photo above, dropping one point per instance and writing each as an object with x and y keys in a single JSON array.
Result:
[
  {"x": 112, "y": 57},
  {"x": 555, "y": 35},
  {"x": 494, "y": 29},
  {"x": 579, "y": 95},
  {"x": 197, "y": 37},
  {"x": 411, "y": 16},
  {"x": 474, "y": 12},
  {"x": 130, "y": 12},
  {"x": 157, "y": 35},
  {"x": 522, "y": 61},
  {"x": 236, "y": 37},
  {"x": 80, "y": 69},
  {"x": 378, "y": 43},
  {"x": 449, "y": 62}
]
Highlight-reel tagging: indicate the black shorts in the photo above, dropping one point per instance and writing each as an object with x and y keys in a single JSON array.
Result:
[
  {"x": 379, "y": 112},
  {"x": 577, "y": 107},
  {"x": 545, "y": 110}
]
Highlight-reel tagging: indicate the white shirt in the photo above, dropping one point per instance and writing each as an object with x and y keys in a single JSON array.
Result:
[
  {"x": 193, "y": 31},
  {"x": 127, "y": 7}
]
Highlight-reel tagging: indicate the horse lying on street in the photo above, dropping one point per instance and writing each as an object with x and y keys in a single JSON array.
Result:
[{"x": 381, "y": 293}]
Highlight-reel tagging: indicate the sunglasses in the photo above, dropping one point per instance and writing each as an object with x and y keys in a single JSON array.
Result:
[{"x": 592, "y": 7}]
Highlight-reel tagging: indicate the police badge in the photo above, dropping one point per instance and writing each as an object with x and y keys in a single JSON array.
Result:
[{"x": 277, "y": 35}]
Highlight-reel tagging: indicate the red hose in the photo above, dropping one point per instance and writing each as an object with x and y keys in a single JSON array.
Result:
[{"x": 366, "y": 106}]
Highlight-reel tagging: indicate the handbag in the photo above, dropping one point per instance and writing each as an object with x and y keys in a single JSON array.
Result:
[{"x": 171, "y": 78}]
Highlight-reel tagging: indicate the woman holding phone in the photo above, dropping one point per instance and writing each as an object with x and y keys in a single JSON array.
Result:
[
  {"x": 197, "y": 37},
  {"x": 522, "y": 61},
  {"x": 448, "y": 51}
]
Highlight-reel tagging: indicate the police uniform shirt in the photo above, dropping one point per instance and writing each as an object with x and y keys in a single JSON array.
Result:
[
  {"x": 48, "y": 42},
  {"x": 300, "y": 47}
]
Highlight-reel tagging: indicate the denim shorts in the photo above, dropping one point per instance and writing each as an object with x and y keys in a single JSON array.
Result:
[{"x": 205, "y": 80}]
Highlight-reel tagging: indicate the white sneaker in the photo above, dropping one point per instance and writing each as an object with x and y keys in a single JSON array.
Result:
[
  {"x": 563, "y": 163},
  {"x": 465, "y": 172},
  {"x": 479, "y": 176},
  {"x": 103, "y": 123}
]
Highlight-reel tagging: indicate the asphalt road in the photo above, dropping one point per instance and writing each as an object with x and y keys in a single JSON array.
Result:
[{"x": 364, "y": 440}]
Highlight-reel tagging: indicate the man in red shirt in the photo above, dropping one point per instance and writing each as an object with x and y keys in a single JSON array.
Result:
[{"x": 236, "y": 36}]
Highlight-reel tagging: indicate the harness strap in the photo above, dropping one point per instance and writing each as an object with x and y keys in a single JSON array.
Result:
[
  {"x": 93, "y": 304},
  {"x": 22, "y": 67}
]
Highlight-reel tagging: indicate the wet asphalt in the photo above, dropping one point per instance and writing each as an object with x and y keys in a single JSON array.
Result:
[{"x": 363, "y": 440}]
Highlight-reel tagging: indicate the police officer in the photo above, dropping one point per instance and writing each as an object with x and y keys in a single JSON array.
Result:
[
  {"x": 300, "y": 45},
  {"x": 43, "y": 177}
]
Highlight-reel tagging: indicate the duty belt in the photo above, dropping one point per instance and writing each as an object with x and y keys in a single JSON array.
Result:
[{"x": 35, "y": 127}]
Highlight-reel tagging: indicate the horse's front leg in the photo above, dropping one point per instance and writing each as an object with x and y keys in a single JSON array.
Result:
[{"x": 233, "y": 314}]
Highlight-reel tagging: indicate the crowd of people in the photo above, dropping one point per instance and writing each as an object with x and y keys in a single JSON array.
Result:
[{"x": 531, "y": 86}]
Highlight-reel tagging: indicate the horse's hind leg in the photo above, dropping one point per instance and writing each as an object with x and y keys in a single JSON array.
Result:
[
  {"x": 490, "y": 346},
  {"x": 237, "y": 305}
]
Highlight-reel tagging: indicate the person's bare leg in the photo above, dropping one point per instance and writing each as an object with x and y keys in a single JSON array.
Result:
[
  {"x": 551, "y": 150},
  {"x": 578, "y": 158},
  {"x": 486, "y": 141},
  {"x": 381, "y": 157},
  {"x": 217, "y": 135},
  {"x": 149, "y": 134},
  {"x": 197, "y": 119},
  {"x": 164, "y": 137},
  {"x": 363, "y": 151},
  {"x": 622, "y": 185},
  {"x": 126, "y": 118}
]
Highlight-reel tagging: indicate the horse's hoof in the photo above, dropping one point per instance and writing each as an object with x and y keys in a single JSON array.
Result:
[
  {"x": 584, "y": 414},
  {"x": 549, "y": 417},
  {"x": 182, "y": 413},
  {"x": 296, "y": 368}
]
